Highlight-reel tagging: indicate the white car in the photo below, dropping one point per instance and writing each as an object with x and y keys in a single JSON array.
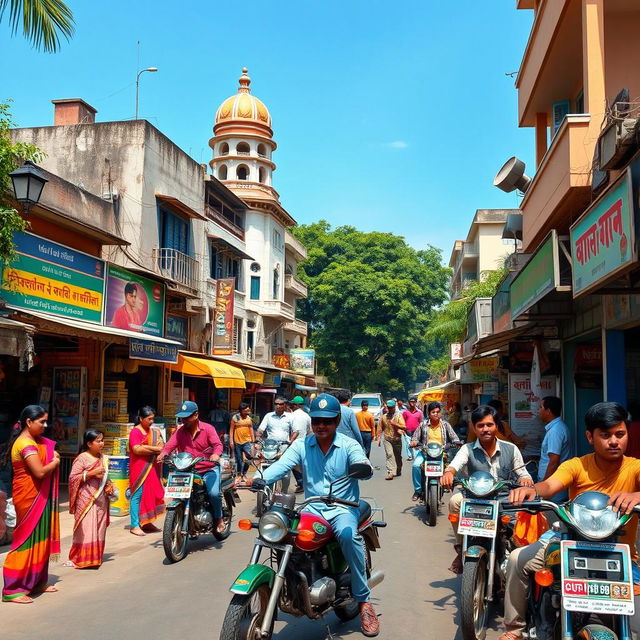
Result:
[{"x": 374, "y": 400}]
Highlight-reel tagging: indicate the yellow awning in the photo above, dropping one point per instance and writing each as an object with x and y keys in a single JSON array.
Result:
[
  {"x": 224, "y": 375},
  {"x": 253, "y": 375}
]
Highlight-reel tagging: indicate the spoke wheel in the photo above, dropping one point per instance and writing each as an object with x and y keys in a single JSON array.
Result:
[
  {"x": 243, "y": 620},
  {"x": 432, "y": 501},
  {"x": 473, "y": 599},
  {"x": 173, "y": 540}
]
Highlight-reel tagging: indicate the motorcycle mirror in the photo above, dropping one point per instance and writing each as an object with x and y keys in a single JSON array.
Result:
[{"x": 359, "y": 470}]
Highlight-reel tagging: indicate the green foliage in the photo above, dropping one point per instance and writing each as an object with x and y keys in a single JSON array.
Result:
[
  {"x": 43, "y": 21},
  {"x": 370, "y": 297},
  {"x": 12, "y": 155}
]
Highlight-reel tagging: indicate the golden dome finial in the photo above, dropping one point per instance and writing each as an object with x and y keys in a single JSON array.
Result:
[{"x": 245, "y": 81}]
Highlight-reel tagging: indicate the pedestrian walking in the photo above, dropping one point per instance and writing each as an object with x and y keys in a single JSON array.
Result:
[
  {"x": 392, "y": 427},
  {"x": 348, "y": 424},
  {"x": 302, "y": 426},
  {"x": 89, "y": 491},
  {"x": 242, "y": 438},
  {"x": 413, "y": 418},
  {"x": 36, "y": 538},
  {"x": 145, "y": 485},
  {"x": 220, "y": 418},
  {"x": 367, "y": 425},
  {"x": 556, "y": 445}
]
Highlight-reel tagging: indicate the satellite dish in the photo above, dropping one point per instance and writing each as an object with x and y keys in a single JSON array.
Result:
[{"x": 512, "y": 176}]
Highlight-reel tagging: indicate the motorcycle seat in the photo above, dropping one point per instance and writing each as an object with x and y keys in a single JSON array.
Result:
[{"x": 364, "y": 512}]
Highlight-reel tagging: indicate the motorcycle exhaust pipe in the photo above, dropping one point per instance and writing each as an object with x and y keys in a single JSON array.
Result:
[{"x": 375, "y": 579}]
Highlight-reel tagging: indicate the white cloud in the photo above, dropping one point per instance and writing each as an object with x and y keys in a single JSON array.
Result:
[{"x": 396, "y": 144}]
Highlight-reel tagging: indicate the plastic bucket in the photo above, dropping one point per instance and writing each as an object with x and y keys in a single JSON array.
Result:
[{"x": 119, "y": 476}]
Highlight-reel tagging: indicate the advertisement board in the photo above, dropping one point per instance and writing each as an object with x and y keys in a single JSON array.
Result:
[
  {"x": 480, "y": 370},
  {"x": 302, "y": 360},
  {"x": 134, "y": 303},
  {"x": 69, "y": 406},
  {"x": 223, "y": 317},
  {"x": 281, "y": 360},
  {"x": 177, "y": 328},
  {"x": 47, "y": 276}
]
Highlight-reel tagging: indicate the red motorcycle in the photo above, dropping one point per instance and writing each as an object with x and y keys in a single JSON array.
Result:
[{"x": 305, "y": 573}]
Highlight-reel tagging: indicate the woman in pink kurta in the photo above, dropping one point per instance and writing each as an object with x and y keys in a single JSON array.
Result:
[
  {"x": 147, "y": 494},
  {"x": 89, "y": 491}
]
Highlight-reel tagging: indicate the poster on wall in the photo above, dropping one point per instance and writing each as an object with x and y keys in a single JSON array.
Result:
[
  {"x": 134, "y": 303},
  {"x": 303, "y": 361},
  {"x": 223, "y": 317},
  {"x": 69, "y": 402},
  {"x": 49, "y": 277},
  {"x": 523, "y": 415}
]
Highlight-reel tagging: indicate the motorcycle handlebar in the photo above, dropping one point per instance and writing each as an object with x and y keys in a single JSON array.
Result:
[
  {"x": 534, "y": 505},
  {"x": 330, "y": 500}
]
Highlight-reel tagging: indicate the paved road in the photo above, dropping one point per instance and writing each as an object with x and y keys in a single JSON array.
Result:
[{"x": 136, "y": 595}]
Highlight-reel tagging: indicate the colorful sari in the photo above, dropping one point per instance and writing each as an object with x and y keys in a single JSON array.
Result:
[
  {"x": 144, "y": 472},
  {"x": 36, "y": 538},
  {"x": 90, "y": 506}
]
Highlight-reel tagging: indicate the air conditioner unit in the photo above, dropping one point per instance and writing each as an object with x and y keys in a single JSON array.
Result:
[{"x": 617, "y": 142}]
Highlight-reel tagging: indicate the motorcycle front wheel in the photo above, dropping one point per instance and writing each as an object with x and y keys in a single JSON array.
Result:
[
  {"x": 173, "y": 540},
  {"x": 227, "y": 515},
  {"x": 473, "y": 607},
  {"x": 245, "y": 614},
  {"x": 432, "y": 500}
]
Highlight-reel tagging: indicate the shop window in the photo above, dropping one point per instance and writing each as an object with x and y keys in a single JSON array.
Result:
[{"x": 255, "y": 288}]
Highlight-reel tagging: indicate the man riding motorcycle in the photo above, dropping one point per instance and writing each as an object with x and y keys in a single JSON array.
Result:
[
  {"x": 324, "y": 457},
  {"x": 607, "y": 470},
  {"x": 499, "y": 458},
  {"x": 199, "y": 439}
]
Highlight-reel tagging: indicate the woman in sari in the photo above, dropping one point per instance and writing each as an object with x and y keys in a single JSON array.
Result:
[
  {"x": 89, "y": 491},
  {"x": 147, "y": 494},
  {"x": 36, "y": 537}
]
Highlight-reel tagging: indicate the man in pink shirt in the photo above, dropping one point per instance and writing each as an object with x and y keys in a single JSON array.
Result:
[
  {"x": 200, "y": 440},
  {"x": 412, "y": 419}
]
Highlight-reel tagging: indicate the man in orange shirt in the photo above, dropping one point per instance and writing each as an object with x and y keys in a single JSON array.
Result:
[
  {"x": 607, "y": 470},
  {"x": 367, "y": 427}
]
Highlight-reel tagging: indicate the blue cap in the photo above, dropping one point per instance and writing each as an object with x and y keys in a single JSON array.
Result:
[
  {"x": 325, "y": 406},
  {"x": 186, "y": 409}
]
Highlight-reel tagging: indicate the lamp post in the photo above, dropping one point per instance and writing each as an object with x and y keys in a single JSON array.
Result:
[
  {"x": 28, "y": 184},
  {"x": 151, "y": 70}
]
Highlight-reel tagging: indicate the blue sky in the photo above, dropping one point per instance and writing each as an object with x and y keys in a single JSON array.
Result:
[{"x": 389, "y": 117}]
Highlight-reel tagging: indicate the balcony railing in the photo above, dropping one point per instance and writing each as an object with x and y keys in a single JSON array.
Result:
[
  {"x": 177, "y": 266},
  {"x": 468, "y": 250},
  {"x": 291, "y": 283},
  {"x": 295, "y": 245},
  {"x": 223, "y": 221},
  {"x": 297, "y": 326}
]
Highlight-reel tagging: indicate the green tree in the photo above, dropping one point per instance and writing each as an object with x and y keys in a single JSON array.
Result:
[
  {"x": 43, "y": 21},
  {"x": 12, "y": 155},
  {"x": 370, "y": 297}
]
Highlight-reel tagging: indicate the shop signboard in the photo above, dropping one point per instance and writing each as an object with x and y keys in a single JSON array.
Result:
[
  {"x": 177, "y": 328},
  {"x": 223, "y": 317},
  {"x": 501, "y": 306},
  {"x": 602, "y": 240},
  {"x": 272, "y": 380},
  {"x": 50, "y": 277},
  {"x": 538, "y": 277},
  {"x": 621, "y": 310},
  {"x": 134, "y": 303},
  {"x": 456, "y": 350},
  {"x": 480, "y": 370},
  {"x": 151, "y": 350},
  {"x": 523, "y": 415},
  {"x": 303, "y": 361},
  {"x": 281, "y": 360}
]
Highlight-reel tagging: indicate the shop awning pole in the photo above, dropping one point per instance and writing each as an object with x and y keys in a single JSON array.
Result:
[{"x": 182, "y": 391}]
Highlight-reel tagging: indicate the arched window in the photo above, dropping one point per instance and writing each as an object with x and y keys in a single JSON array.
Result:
[
  {"x": 262, "y": 150},
  {"x": 262, "y": 175},
  {"x": 276, "y": 283},
  {"x": 243, "y": 148},
  {"x": 224, "y": 149},
  {"x": 242, "y": 172},
  {"x": 222, "y": 172}
]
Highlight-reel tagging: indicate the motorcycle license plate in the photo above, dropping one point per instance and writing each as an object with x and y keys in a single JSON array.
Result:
[
  {"x": 432, "y": 468},
  {"x": 596, "y": 577},
  {"x": 478, "y": 518},
  {"x": 178, "y": 485}
]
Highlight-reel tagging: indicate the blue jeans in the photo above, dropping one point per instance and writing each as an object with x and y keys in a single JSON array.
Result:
[
  {"x": 407, "y": 451},
  {"x": 241, "y": 463},
  {"x": 366, "y": 442},
  {"x": 416, "y": 474},
  {"x": 344, "y": 523},
  {"x": 135, "y": 508},
  {"x": 212, "y": 483}
]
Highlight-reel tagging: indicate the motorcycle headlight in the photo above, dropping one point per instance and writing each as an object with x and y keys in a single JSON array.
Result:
[
  {"x": 481, "y": 483},
  {"x": 273, "y": 526},
  {"x": 593, "y": 517},
  {"x": 183, "y": 461},
  {"x": 434, "y": 450}
]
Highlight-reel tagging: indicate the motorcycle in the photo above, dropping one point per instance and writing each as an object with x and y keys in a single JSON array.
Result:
[
  {"x": 189, "y": 513},
  {"x": 585, "y": 589},
  {"x": 431, "y": 471},
  {"x": 306, "y": 573},
  {"x": 487, "y": 543},
  {"x": 269, "y": 451}
]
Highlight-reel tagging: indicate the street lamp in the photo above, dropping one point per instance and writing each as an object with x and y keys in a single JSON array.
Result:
[
  {"x": 151, "y": 70},
  {"x": 28, "y": 184}
]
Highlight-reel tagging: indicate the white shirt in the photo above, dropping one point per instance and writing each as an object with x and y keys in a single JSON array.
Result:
[
  {"x": 301, "y": 422},
  {"x": 462, "y": 457},
  {"x": 278, "y": 428}
]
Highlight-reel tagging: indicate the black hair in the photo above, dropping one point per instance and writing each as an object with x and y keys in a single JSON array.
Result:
[
  {"x": 604, "y": 415},
  {"x": 485, "y": 410},
  {"x": 364, "y": 402},
  {"x": 89, "y": 436},
  {"x": 279, "y": 398},
  {"x": 342, "y": 395},
  {"x": 145, "y": 412},
  {"x": 433, "y": 405},
  {"x": 496, "y": 404},
  {"x": 243, "y": 405},
  {"x": 552, "y": 404},
  {"x": 130, "y": 287}
]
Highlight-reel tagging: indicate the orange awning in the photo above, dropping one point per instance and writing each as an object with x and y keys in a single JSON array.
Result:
[{"x": 225, "y": 376}]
